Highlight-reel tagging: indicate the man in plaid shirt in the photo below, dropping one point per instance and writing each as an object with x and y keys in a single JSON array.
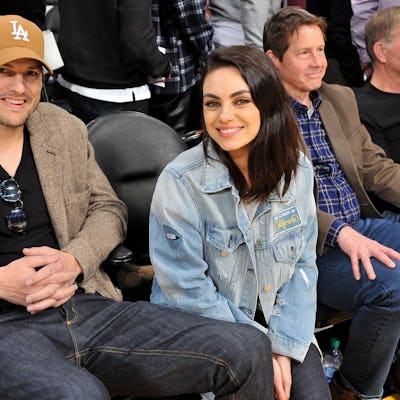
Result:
[
  {"x": 347, "y": 166},
  {"x": 185, "y": 35}
]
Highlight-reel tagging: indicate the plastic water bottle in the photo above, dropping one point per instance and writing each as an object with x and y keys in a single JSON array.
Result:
[{"x": 332, "y": 359}]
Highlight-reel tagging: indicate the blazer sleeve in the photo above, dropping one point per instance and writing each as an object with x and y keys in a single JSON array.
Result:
[
  {"x": 104, "y": 225},
  {"x": 363, "y": 162}
]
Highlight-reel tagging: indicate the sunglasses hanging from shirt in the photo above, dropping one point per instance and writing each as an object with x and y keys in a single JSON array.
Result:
[{"x": 15, "y": 219}]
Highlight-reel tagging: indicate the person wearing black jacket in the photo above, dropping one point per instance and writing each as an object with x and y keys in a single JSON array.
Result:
[
  {"x": 110, "y": 52},
  {"x": 34, "y": 10}
]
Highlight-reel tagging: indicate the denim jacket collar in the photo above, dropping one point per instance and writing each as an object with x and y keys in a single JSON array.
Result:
[{"x": 216, "y": 178}]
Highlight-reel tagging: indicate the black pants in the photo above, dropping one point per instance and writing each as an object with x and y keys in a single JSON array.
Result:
[{"x": 180, "y": 111}]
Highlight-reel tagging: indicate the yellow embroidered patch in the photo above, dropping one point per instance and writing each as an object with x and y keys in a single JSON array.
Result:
[{"x": 286, "y": 220}]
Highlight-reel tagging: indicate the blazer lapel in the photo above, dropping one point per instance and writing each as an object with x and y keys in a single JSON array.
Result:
[
  {"x": 47, "y": 155},
  {"x": 339, "y": 143}
]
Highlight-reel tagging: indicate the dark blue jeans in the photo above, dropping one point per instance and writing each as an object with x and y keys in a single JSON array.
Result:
[
  {"x": 375, "y": 329},
  {"x": 308, "y": 378},
  {"x": 93, "y": 347}
]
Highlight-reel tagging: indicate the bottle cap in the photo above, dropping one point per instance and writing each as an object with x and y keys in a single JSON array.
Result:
[{"x": 335, "y": 343}]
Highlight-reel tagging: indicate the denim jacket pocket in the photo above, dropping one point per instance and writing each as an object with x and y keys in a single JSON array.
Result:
[
  {"x": 288, "y": 248},
  {"x": 223, "y": 247}
]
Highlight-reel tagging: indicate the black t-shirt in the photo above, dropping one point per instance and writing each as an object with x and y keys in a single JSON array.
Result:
[
  {"x": 379, "y": 112},
  {"x": 40, "y": 230}
]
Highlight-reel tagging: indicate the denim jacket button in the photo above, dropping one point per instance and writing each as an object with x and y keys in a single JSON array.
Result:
[
  {"x": 267, "y": 288},
  {"x": 224, "y": 253}
]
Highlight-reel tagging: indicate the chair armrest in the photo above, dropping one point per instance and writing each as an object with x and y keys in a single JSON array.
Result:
[
  {"x": 119, "y": 256},
  {"x": 123, "y": 271}
]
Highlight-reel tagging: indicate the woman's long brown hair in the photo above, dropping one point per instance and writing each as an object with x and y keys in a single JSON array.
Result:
[{"x": 274, "y": 152}]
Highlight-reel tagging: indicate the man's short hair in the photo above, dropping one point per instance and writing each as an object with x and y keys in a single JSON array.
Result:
[
  {"x": 380, "y": 28},
  {"x": 281, "y": 26}
]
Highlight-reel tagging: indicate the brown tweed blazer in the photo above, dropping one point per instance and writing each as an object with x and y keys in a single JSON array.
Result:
[
  {"x": 88, "y": 218},
  {"x": 364, "y": 163}
]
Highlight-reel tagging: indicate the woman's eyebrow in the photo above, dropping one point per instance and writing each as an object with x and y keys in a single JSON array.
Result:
[{"x": 234, "y": 94}]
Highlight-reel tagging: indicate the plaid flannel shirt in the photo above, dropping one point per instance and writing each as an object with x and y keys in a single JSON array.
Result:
[
  {"x": 186, "y": 35},
  {"x": 335, "y": 195}
]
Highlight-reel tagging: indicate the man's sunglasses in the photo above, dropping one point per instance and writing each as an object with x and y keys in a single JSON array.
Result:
[{"x": 16, "y": 220}]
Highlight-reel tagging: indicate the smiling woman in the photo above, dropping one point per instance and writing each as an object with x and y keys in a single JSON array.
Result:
[
  {"x": 233, "y": 225},
  {"x": 230, "y": 115},
  {"x": 259, "y": 142}
]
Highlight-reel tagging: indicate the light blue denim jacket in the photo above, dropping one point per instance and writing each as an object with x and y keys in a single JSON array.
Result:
[{"x": 211, "y": 260}]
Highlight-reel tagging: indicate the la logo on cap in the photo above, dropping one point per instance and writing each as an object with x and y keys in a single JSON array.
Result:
[
  {"x": 19, "y": 32},
  {"x": 21, "y": 38}
]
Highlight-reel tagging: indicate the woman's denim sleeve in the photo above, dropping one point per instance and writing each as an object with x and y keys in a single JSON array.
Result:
[
  {"x": 296, "y": 301},
  {"x": 176, "y": 251}
]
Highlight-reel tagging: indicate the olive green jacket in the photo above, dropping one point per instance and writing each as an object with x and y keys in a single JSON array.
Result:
[{"x": 364, "y": 163}]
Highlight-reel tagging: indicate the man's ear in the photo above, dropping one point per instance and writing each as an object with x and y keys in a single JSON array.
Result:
[
  {"x": 273, "y": 58},
  {"x": 379, "y": 50}
]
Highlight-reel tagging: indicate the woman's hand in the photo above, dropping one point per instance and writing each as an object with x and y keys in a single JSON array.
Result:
[{"x": 282, "y": 376}]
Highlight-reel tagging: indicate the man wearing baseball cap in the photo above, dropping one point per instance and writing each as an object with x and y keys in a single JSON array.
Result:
[
  {"x": 20, "y": 38},
  {"x": 64, "y": 331}
]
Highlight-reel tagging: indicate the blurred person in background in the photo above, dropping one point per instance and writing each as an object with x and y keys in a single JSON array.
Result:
[
  {"x": 110, "y": 52},
  {"x": 185, "y": 35},
  {"x": 362, "y": 12},
  {"x": 33, "y": 10},
  {"x": 238, "y": 22}
]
